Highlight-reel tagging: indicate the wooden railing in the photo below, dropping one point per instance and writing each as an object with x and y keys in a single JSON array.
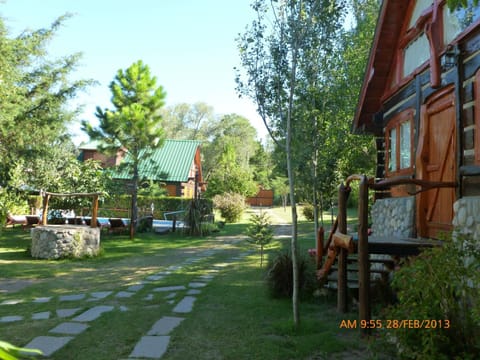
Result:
[{"x": 340, "y": 244}]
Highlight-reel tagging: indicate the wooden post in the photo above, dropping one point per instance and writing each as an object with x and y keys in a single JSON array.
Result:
[
  {"x": 46, "y": 198},
  {"x": 363, "y": 258},
  {"x": 320, "y": 241},
  {"x": 342, "y": 255},
  {"x": 93, "y": 222}
]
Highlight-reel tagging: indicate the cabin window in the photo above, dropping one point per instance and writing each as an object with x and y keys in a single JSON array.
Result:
[
  {"x": 399, "y": 143},
  {"x": 392, "y": 150},
  {"x": 454, "y": 23},
  {"x": 420, "y": 7},
  {"x": 416, "y": 53},
  {"x": 405, "y": 145}
]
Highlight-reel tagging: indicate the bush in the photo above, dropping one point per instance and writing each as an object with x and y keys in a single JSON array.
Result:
[
  {"x": 260, "y": 232},
  {"x": 307, "y": 212},
  {"x": 442, "y": 288},
  {"x": 280, "y": 276},
  {"x": 230, "y": 205}
]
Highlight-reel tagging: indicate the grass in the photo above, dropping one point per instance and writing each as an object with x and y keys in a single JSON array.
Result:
[{"x": 233, "y": 318}]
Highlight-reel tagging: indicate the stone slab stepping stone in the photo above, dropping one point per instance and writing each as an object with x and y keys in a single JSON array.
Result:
[
  {"x": 194, "y": 292},
  {"x": 75, "y": 297},
  {"x": 124, "y": 294},
  {"x": 93, "y": 313},
  {"x": 207, "y": 277},
  {"x": 70, "y": 328},
  {"x": 63, "y": 313},
  {"x": 151, "y": 347},
  {"x": 185, "y": 305},
  {"x": 13, "y": 318},
  {"x": 100, "y": 294},
  {"x": 165, "y": 325},
  {"x": 11, "y": 302},
  {"x": 48, "y": 344},
  {"x": 197, "y": 285},
  {"x": 42, "y": 300},
  {"x": 171, "y": 296},
  {"x": 155, "y": 277},
  {"x": 149, "y": 297},
  {"x": 41, "y": 315},
  {"x": 174, "y": 267},
  {"x": 164, "y": 273},
  {"x": 136, "y": 287},
  {"x": 170, "y": 288}
]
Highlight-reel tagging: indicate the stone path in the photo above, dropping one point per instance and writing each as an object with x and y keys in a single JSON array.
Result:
[{"x": 154, "y": 343}]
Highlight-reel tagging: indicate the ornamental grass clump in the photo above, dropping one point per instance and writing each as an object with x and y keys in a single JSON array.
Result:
[
  {"x": 280, "y": 275},
  {"x": 260, "y": 232}
]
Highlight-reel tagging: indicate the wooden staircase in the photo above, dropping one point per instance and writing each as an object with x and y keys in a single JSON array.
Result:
[{"x": 342, "y": 254}]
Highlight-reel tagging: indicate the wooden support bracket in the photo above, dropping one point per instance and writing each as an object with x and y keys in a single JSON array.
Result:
[{"x": 343, "y": 241}]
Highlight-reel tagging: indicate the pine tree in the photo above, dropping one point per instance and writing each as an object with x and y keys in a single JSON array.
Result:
[{"x": 134, "y": 124}]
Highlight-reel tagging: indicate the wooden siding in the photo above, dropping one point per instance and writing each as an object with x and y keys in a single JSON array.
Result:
[{"x": 263, "y": 198}]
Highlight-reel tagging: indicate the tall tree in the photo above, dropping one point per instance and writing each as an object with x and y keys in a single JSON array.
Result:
[
  {"x": 134, "y": 124},
  {"x": 275, "y": 53},
  {"x": 34, "y": 92},
  {"x": 230, "y": 177},
  {"x": 189, "y": 121},
  {"x": 237, "y": 132}
]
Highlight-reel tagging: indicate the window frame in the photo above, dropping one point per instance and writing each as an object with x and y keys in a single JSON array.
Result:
[
  {"x": 476, "y": 95},
  {"x": 396, "y": 123}
]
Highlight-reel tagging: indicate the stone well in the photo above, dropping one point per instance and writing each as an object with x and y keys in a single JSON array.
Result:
[{"x": 64, "y": 241}]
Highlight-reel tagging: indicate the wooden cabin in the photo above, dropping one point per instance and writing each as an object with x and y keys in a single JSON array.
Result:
[
  {"x": 177, "y": 165},
  {"x": 421, "y": 100}
]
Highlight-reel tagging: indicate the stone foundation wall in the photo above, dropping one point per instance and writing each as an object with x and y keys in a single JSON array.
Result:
[
  {"x": 64, "y": 241},
  {"x": 394, "y": 217},
  {"x": 466, "y": 219}
]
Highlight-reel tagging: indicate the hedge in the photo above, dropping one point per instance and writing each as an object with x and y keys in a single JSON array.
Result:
[{"x": 119, "y": 206}]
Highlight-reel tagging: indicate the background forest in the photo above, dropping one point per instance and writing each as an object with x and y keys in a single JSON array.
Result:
[{"x": 37, "y": 151}]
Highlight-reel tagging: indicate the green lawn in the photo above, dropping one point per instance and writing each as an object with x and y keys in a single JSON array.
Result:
[{"x": 233, "y": 317}]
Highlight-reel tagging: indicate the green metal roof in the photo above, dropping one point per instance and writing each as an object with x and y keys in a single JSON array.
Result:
[{"x": 172, "y": 162}]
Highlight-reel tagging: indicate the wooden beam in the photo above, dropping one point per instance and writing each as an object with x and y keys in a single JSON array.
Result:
[
  {"x": 363, "y": 257},
  {"x": 46, "y": 198},
  {"x": 72, "y": 194},
  {"x": 343, "y": 241},
  {"x": 93, "y": 222},
  {"x": 47, "y": 195},
  {"x": 342, "y": 255},
  {"x": 320, "y": 240}
]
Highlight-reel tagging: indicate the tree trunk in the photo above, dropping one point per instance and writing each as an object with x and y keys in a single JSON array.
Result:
[
  {"x": 134, "y": 209},
  {"x": 291, "y": 180}
]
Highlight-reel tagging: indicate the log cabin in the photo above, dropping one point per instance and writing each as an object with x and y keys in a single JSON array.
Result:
[
  {"x": 177, "y": 165},
  {"x": 420, "y": 99}
]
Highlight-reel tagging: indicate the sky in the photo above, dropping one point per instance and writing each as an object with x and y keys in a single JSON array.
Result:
[{"x": 189, "y": 46}]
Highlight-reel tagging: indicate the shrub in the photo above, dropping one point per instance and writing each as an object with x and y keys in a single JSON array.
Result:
[
  {"x": 230, "y": 205},
  {"x": 442, "y": 287},
  {"x": 260, "y": 232},
  {"x": 280, "y": 276},
  {"x": 307, "y": 212}
]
